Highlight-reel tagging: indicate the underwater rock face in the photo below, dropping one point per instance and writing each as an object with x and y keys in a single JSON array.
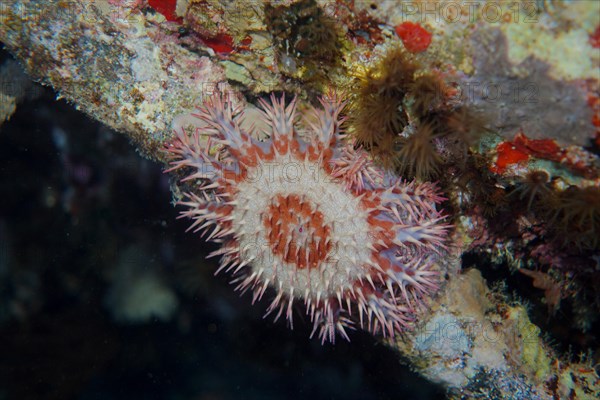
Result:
[{"x": 525, "y": 97}]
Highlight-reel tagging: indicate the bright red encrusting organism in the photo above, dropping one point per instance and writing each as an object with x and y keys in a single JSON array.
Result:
[
  {"x": 521, "y": 148},
  {"x": 546, "y": 149},
  {"x": 416, "y": 39},
  {"x": 596, "y": 122},
  {"x": 595, "y": 38},
  {"x": 311, "y": 217},
  {"x": 594, "y": 103},
  {"x": 508, "y": 154},
  {"x": 222, "y": 43},
  {"x": 166, "y": 8},
  {"x": 246, "y": 42}
]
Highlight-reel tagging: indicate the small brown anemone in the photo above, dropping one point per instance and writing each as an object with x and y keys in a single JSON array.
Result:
[
  {"x": 493, "y": 202},
  {"x": 427, "y": 92},
  {"x": 376, "y": 111},
  {"x": 417, "y": 156},
  {"x": 577, "y": 216},
  {"x": 535, "y": 185},
  {"x": 376, "y": 119},
  {"x": 466, "y": 124},
  {"x": 394, "y": 74},
  {"x": 385, "y": 152},
  {"x": 474, "y": 182}
]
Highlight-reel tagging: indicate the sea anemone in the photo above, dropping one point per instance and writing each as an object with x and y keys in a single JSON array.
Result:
[
  {"x": 377, "y": 107},
  {"x": 465, "y": 123},
  {"x": 376, "y": 120},
  {"x": 576, "y": 216},
  {"x": 394, "y": 74},
  {"x": 312, "y": 218},
  {"x": 395, "y": 95},
  {"x": 428, "y": 92},
  {"x": 493, "y": 201},
  {"x": 417, "y": 156},
  {"x": 534, "y": 185}
]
